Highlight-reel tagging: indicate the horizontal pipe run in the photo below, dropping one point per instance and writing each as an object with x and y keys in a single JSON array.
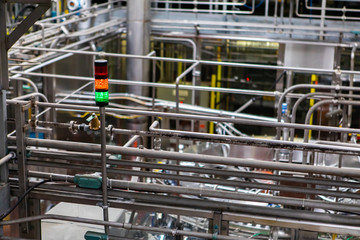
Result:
[
  {"x": 128, "y": 205},
  {"x": 204, "y": 192},
  {"x": 129, "y": 226},
  {"x": 228, "y": 64},
  {"x": 254, "y": 39},
  {"x": 259, "y": 142},
  {"x": 290, "y": 223},
  {"x": 211, "y": 204},
  {"x": 218, "y": 193},
  {"x": 195, "y": 117},
  {"x": 156, "y": 84},
  {"x": 230, "y": 140},
  {"x": 84, "y": 157},
  {"x": 256, "y": 218},
  {"x": 249, "y": 25},
  {"x": 88, "y": 147}
]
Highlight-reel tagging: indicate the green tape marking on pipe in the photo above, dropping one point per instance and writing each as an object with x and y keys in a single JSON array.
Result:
[{"x": 89, "y": 235}]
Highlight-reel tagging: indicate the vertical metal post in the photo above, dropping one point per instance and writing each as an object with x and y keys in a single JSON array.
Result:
[
  {"x": 138, "y": 43},
  {"x": 4, "y": 173},
  {"x": 49, "y": 84},
  {"x": 4, "y": 79},
  {"x": 289, "y": 83},
  {"x": 282, "y": 11},
  {"x": 322, "y": 20},
  {"x": 266, "y": 9},
  {"x": 351, "y": 83},
  {"x": 21, "y": 158},
  {"x": 3, "y": 133},
  {"x": 4, "y": 82},
  {"x": 103, "y": 168},
  {"x": 275, "y": 13}
]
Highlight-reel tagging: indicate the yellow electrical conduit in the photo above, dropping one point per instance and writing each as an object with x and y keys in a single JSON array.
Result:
[{"x": 314, "y": 80}]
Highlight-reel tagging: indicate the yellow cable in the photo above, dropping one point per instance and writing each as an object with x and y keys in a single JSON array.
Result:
[
  {"x": 314, "y": 80},
  {"x": 212, "y": 101},
  {"x": 219, "y": 68}
]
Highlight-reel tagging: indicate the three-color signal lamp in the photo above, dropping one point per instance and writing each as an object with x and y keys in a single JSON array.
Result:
[{"x": 101, "y": 83}]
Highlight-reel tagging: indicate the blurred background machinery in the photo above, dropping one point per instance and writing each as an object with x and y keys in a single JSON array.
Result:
[{"x": 226, "y": 119}]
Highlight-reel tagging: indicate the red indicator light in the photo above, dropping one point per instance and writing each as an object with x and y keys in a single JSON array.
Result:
[
  {"x": 181, "y": 102},
  {"x": 202, "y": 125},
  {"x": 248, "y": 79},
  {"x": 101, "y": 70}
]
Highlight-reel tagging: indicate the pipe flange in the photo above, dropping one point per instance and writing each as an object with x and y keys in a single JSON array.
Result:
[
  {"x": 110, "y": 130},
  {"x": 72, "y": 127}
]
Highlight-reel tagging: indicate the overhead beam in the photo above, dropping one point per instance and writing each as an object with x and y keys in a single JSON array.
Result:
[
  {"x": 24, "y": 26},
  {"x": 29, "y": 1}
]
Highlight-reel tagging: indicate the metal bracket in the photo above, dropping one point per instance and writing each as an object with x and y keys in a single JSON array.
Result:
[{"x": 218, "y": 225}]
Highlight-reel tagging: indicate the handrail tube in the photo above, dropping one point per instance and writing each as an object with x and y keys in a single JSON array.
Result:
[{"x": 351, "y": 82}]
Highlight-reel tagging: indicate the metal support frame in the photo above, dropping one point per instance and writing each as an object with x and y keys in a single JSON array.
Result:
[{"x": 219, "y": 219}]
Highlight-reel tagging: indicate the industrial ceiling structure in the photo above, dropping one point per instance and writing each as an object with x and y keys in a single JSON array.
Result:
[{"x": 179, "y": 119}]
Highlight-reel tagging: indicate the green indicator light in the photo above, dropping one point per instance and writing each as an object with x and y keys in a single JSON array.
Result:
[{"x": 102, "y": 97}]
